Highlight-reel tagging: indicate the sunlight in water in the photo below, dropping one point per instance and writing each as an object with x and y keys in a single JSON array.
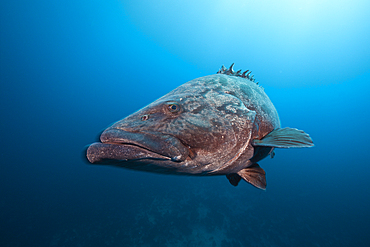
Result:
[{"x": 289, "y": 39}]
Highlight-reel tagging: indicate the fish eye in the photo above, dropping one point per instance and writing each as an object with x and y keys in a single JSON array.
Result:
[{"x": 173, "y": 107}]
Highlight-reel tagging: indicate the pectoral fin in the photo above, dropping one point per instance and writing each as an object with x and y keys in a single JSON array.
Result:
[
  {"x": 254, "y": 175},
  {"x": 285, "y": 138}
]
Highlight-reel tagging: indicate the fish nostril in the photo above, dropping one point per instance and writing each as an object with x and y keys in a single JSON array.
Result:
[{"x": 144, "y": 117}]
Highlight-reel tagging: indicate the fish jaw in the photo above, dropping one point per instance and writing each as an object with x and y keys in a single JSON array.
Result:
[
  {"x": 101, "y": 153},
  {"x": 120, "y": 145}
]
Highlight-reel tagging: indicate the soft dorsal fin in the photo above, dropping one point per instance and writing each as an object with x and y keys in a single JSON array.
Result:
[
  {"x": 254, "y": 175},
  {"x": 285, "y": 138}
]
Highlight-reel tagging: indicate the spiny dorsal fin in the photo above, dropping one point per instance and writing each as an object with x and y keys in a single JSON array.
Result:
[
  {"x": 285, "y": 138},
  {"x": 230, "y": 71}
]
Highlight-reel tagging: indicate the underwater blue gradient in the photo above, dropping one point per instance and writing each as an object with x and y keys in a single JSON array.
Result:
[{"x": 68, "y": 69}]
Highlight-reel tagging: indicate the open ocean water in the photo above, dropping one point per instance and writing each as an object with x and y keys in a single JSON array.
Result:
[{"x": 68, "y": 69}]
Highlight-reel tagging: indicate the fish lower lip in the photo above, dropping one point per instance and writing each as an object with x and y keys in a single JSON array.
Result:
[
  {"x": 176, "y": 158},
  {"x": 99, "y": 152}
]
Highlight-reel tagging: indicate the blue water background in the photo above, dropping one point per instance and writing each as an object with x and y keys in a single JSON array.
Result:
[{"x": 71, "y": 68}]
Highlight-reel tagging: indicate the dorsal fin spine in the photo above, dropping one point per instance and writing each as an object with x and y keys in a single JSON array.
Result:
[{"x": 230, "y": 71}]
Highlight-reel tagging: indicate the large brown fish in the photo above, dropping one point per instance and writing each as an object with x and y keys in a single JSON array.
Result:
[{"x": 219, "y": 124}]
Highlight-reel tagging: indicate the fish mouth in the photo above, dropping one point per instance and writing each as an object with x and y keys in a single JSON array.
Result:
[{"x": 120, "y": 145}]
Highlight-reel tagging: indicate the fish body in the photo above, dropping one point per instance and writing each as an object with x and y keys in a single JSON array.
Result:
[{"x": 220, "y": 124}]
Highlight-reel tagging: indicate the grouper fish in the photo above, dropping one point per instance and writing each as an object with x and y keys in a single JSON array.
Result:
[{"x": 221, "y": 124}]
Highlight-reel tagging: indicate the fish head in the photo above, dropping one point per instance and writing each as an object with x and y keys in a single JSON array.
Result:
[{"x": 188, "y": 131}]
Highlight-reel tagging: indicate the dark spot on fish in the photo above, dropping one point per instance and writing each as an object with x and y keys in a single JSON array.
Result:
[
  {"x": 192, "y": 153},
  {"x": 216, "y": 123},
  {"x": 198, "y": 110},
  {"x": 223, "y": 108},
  {"x": 230, "y": 92}
]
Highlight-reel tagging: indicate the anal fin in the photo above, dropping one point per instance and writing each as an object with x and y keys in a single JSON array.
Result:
[
  {"x": 285, "y": 138},
  {"x": 254, "y": 175}
]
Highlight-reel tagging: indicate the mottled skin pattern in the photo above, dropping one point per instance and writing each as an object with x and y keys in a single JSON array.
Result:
[{"x": 203, "y": 127}]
